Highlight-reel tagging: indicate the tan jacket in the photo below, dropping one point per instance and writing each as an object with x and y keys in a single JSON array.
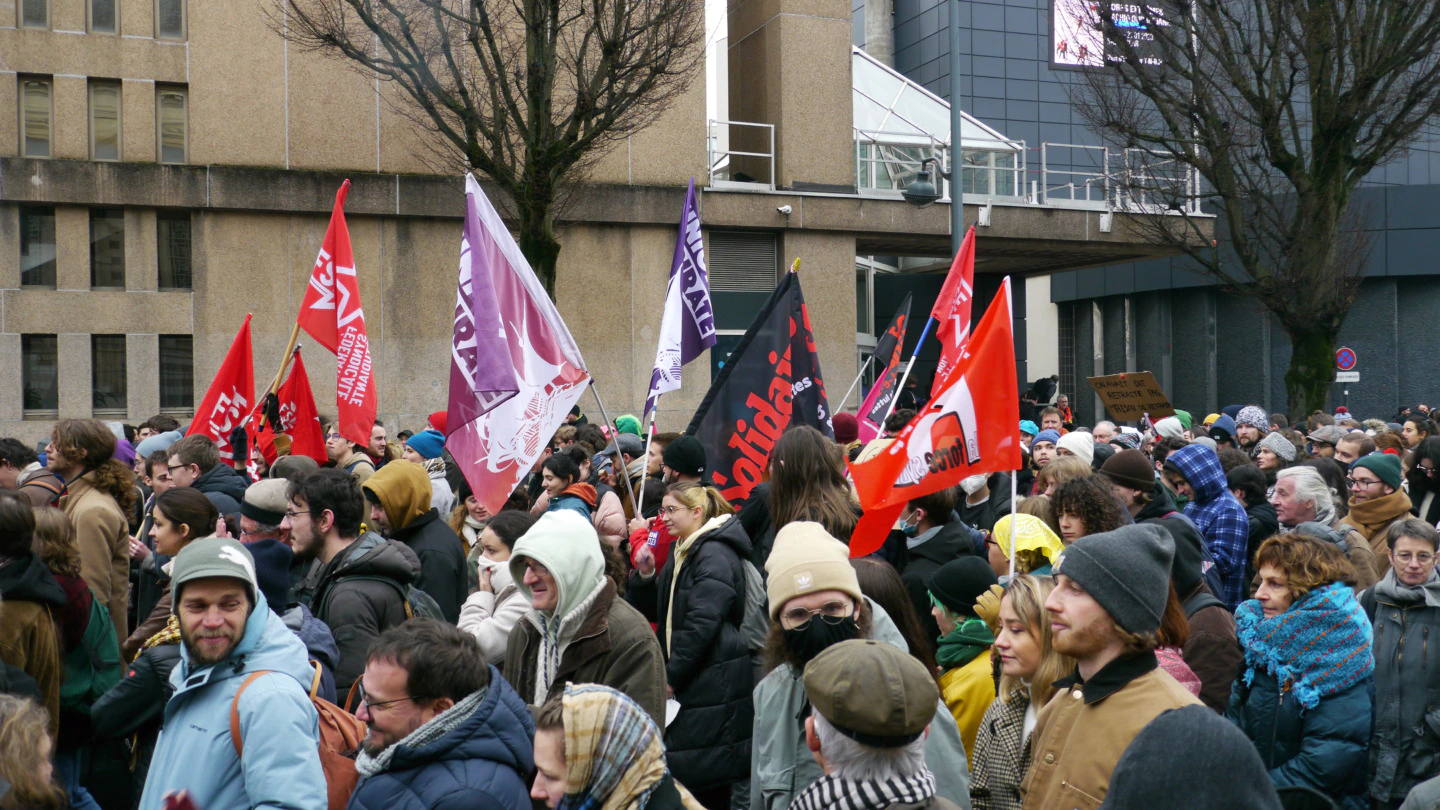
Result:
[
  {"x": 28, "y": 641},
  {"x": 1081, "y": 733},
  {"x": 103, "y": 535}
]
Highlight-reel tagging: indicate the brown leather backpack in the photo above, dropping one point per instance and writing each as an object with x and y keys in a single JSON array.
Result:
[{"x": 340, "y": 736}]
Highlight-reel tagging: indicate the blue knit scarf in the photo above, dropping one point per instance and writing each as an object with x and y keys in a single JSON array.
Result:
[{"x": 1319, "y": 647}]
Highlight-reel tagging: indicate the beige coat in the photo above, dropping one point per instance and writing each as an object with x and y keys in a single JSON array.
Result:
[
  {"x": 1076, "y": 744},
  {"x": 103, "y": 534}
]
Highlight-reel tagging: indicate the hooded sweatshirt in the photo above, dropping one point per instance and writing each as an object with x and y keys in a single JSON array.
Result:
[
  {"x": 403, "y": 490},
  {"x": 567, "y": 546},
  {"x": 1220, "y": 518}
]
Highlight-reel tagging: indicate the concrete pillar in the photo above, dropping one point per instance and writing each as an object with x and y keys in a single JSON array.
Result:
[
  {"x": 72, "y": 248},
  {"x": 1042, "y": 328},
  {"x": 827, "y": 277},
  {"x": 141, "y": 268},
  {"x": 72, "y": 358},
  {"x": 880, "y": 30},
  {"x": 142, "y": 376},
  {"x": 9, "y": 258},
  {"x": 790, "y": 67}
]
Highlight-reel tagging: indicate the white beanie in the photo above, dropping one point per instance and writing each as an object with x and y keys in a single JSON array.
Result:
[{"x": 1082, "y": 445}]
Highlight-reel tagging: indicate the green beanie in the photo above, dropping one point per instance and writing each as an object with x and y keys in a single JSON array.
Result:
[
  {"x": 627, "y": 423},
  {"x": 1384, "y": 465},
  {"x": 1185, "y": 419}
]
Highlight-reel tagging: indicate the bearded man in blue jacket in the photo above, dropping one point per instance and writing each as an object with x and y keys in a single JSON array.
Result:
[{"x": 229, "y": 633}]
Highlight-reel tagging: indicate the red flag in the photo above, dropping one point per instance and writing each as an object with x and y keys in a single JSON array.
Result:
[
  {"x": 231, "y": 394},
  {"x": 971, "y": 426},
  {"x": 952, "y": 309},
  {"x": 331, "y": 313},
  {"x": 298, "y": 416}
]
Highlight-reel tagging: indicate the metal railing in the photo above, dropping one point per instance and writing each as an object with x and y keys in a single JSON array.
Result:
[
  {"x": 885, "y": 164},
  {"x": 741, "y": 167},
  {"x": 1130, "y": 180}
]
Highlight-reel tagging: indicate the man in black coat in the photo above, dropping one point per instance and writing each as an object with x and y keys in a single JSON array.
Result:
[
  {"x": 195, "y": 462},
  {"x": 399, "y": 496},
  {"x": 933, "y": 535}
]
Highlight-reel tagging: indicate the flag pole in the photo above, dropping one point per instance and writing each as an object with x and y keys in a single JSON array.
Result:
[
  {"x": 906, "y": 375},
  {"x": 1014, "y": 475},
  {"x": 841, "y": 406},
  {"x": 649, "y": 437},
  {"x": 594, "y": 389}
]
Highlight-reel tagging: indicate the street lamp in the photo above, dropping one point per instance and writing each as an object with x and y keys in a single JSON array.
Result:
[{"x": 922, "y": 192}]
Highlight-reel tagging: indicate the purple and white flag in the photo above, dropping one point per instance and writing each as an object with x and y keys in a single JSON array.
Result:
[
  {"x": 688, "y": 326},
  {"x": 507, "y": 395}
]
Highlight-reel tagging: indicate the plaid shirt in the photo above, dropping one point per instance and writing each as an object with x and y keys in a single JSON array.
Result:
[{"x": 1217, "y": 514}]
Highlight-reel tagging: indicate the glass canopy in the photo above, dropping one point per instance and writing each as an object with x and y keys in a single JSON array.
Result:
[{"x": 890, "y": 108}]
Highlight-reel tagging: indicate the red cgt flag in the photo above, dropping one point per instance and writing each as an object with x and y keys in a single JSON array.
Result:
[
  {"x": 952, "y": 310},
  {"x": 971, "y": 426},
  {"x": 331, "y": 313},
  {"x": 231, "y": 394}
]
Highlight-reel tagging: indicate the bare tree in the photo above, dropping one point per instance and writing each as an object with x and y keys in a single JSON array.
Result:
[
  {"x": 528, "y": 92},
  {"x": 1282, "y": 108}
]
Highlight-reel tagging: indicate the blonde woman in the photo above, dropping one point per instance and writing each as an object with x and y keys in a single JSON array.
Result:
[
  {"x": 25, "y": 749},
  {"x": 698, "y": 602},
  {"x": 1029, "y": 665}
]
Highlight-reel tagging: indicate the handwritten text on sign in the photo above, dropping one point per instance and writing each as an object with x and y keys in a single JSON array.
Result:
[{"x": 1130, "y": 396}]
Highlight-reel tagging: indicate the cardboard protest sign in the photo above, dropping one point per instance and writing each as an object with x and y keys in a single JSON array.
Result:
[{"x": 1129, "y": 397}]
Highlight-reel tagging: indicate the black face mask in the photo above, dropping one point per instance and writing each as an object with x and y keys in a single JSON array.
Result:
[{"x": 819, "y": 634}]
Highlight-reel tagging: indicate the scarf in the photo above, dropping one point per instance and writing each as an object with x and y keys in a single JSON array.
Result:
[
  {"x": 1319, "y": 647},
  {"x": 169, "y": 635},
  {"x": 555, "y": 635},
  {"x": 584, "y": 492},
  {"x": 614, "y": 757},
  {"x": 1372, "y": 517},
  {"x": 472, "y": 530},
  {"x": 837, "y": 793},
  {"x": 636, "y": 468},
  {"x": 439, "y": 725},
  {"x": 964, "y": 644}
]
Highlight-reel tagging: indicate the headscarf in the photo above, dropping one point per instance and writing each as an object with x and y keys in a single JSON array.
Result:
[
  {"x": 614, "y": 756},
  {"x": 1026, "y": 533}
]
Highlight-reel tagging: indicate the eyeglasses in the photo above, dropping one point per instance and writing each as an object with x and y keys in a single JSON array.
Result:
[
  {"x": 1407, "y": 557},
  {"x": 292, "y": 514},
  {"x": 176, "y": 467},
  {"x": 1429, "y": 471},
  {"x": 670, "y": 510},
  {"x": 369, "y": 704},
  {"x": 831, "y": 613},
  {"x": 536, "y": 568},
  {"x": 1361, "y": 482},
  {"x": 333, "y": 437}
]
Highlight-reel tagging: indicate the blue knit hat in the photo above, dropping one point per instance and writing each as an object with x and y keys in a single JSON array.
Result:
[
  {"x": 1028, "y": 428},
  {"x": 428, "y": 443},
  {"x": 1052, "y": 436}
]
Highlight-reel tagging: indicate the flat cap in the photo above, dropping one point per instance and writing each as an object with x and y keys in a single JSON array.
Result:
[{"x": 872, "y": 692}]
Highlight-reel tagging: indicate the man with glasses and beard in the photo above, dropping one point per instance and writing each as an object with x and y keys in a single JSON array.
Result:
[{"x": 231, "y": 639}]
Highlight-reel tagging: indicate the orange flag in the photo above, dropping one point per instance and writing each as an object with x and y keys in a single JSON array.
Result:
[{"x": 971, "y": 426}]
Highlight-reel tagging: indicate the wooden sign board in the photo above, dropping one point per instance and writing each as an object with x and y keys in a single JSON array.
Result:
[{"x": 1128, "y": 397}]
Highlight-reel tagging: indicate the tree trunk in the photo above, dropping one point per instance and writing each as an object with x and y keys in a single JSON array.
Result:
[
  {"x": 1312, "y": 368},
  {"x": 538, "y": 242}
]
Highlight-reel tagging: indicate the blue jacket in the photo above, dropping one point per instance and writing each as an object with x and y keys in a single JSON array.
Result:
[
  {"x": 480, "y": 764},
  {"x": 569, "y": 501},
  {"x": 1217, "y": 514},
  {"x": 1325, "y": 748},
  {"x": 278, "y": 727}
]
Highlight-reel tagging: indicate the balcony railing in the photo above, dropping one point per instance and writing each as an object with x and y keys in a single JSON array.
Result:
[{"x": 741, "y": 155}]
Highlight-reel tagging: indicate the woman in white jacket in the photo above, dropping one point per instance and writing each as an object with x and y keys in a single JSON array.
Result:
[{"x": 491, "y": 612}]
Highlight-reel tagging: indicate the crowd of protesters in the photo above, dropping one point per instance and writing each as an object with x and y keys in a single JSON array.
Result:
[{"x": 1228, "y": 612}]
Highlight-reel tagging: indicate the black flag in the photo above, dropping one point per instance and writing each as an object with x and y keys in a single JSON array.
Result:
[
  {"x": 770, "y": 382},
  {"x": 887, "y": 351}
]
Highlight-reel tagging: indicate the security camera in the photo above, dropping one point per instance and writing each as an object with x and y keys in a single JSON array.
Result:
[{"x": 785, "y": 209}]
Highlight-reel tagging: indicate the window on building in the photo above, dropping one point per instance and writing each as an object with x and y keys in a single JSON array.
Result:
[
  {"x": 36, "y": 113},
  {"x": 34, "y": 13},
  {"x": 107, "y": 247},
  {"x": 177, "y": 373},
  {"x": 1069, "y": 359},
  {"x": 102, "y": 17},
  {"x": 172, "y": 248},
  {"x": 743, "y": 268},
  {"x": 170, "y": 19},
  {"x": 105, "y": 120},
  {"x": 171, "y": 125},
  {"x": 37, "y": 246},
  {"x": 38, "y": 375},
  {"x": 107, "y": 375}
]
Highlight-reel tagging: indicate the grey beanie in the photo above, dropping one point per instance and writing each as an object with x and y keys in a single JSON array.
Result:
[
  {"x": 1126, "y": 570},
  {"x": 214, "y": 557},
  {"x": 1279, "y": 445},
  {"x": 1254, "y": 416},
  {"x": 1195, "y": 747}
]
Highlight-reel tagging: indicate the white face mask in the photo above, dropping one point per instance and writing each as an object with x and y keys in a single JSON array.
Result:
[
  {"x": 973, "y": 484},
  {"x": 483, "y": 563}
]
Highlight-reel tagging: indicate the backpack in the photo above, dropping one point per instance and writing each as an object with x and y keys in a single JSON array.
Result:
[
  {"x": 756, "y": 625},
  {"x": 94, "y": 666},
  {"x": 416, "y": 601},
  {"x": 340, "y": 736},
  {"x": 1200, "y": 600},
  {"x": 1209, "y": 572}
]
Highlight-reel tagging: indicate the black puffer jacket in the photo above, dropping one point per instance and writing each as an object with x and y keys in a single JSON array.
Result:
[
  {"x": 442, "y": 561},
  {"x": 707, "y": 663},
  {"x": 136, "y": 705},
  {"x": 360, "y": 594},
  {"x": 224, "y": 487}
]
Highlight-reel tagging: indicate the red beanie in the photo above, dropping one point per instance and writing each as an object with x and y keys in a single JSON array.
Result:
[
  {"x": 437, "y": 420},
  {"x": 846, "y": 427}
]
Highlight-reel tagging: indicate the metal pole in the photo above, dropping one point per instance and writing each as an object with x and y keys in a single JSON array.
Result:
[
  {"x": 841, "y": 406},
  {"x": 900, "y": 386},
  {"x": 649, "y": 437},
  {"x": 1013, "y": 516},
  {"x": 957, "y": 195},
  {"x": 594, "y": 389}
]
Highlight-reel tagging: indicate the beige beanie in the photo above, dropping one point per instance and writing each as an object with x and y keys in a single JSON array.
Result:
[{"x": 805, "y": 559}]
